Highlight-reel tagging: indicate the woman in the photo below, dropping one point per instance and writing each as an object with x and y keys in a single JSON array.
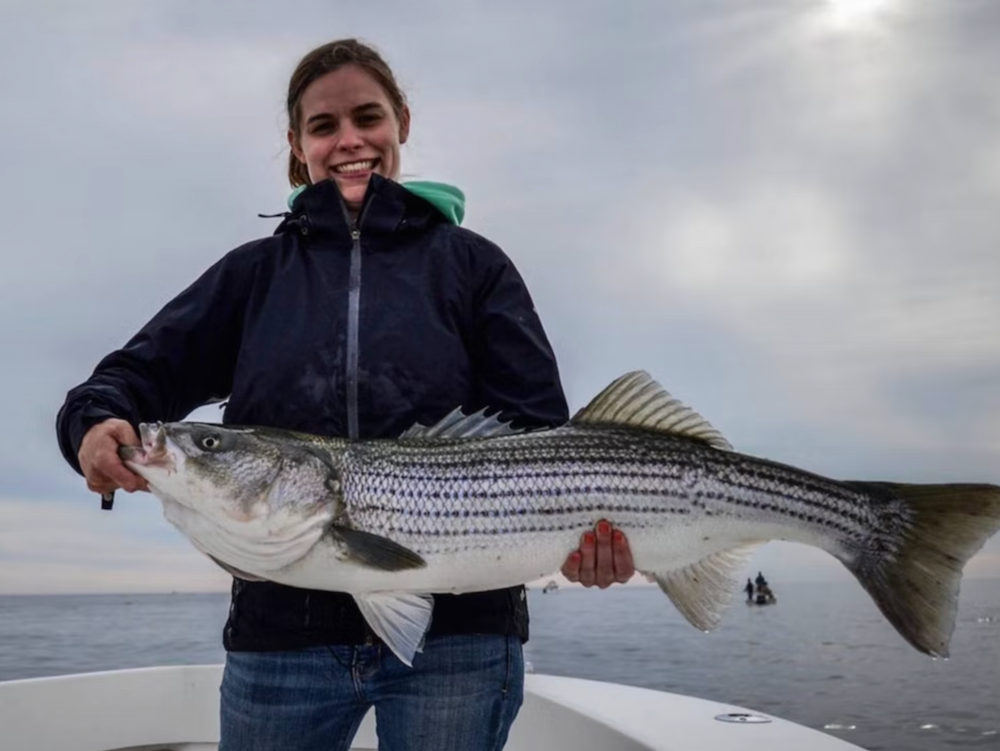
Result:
[{"x": 367, "y": 311}]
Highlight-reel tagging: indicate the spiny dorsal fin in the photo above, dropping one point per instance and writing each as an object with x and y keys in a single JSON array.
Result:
[
  {"x": 457, "y": 424},
  {"x": 637, "y": 400},
  {"x": 702, "y": 590}
]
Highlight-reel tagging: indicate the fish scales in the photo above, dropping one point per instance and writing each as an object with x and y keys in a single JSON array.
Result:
[{"x": 569, "y": 478}]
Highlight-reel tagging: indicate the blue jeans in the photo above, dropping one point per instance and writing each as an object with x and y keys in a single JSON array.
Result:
[{"x": 462, "y": 694}]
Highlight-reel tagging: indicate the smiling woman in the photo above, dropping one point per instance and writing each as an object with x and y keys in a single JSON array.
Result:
[
  {"x": 367, "y": 311},
  {"x": 345, "y": 126}
]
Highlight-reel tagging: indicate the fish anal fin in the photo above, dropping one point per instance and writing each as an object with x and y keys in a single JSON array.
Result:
[
  {"x": 233, "y": 571},
  {"x": 375, "y": 551},
  {"x": 702, "y": 590},
  {"x": 638, "y": 401},
  {"x": 400, "y": 620}
]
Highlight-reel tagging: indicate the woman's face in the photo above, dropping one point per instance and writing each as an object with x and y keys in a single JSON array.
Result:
[{"x": 349, "y": 130}]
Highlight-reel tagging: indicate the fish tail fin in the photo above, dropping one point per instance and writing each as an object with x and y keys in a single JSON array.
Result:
[{"x": 914, "y": 577}]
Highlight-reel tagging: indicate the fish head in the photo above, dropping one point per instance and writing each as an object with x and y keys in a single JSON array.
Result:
[
  {"x": 255, "y": 498},
  {"x": 219, "y": 471}
]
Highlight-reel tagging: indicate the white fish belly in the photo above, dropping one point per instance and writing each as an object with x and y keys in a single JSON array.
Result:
[{"x": 507, "y": 560}]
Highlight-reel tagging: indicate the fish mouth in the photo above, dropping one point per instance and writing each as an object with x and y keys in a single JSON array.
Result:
[{"x": 153, "y": 451}]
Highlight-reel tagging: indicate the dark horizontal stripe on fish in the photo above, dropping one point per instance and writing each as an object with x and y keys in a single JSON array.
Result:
[
  {"x": 766, "y": 471},
  {"x": 786, "y": 511},
  {"x": 493, "y": 513},
  {"x": 357, "y": 499},
  {"x": 786, "y": 491},
  {"x": 524, "y": 474},
  {"x": 495, "y": 531}
]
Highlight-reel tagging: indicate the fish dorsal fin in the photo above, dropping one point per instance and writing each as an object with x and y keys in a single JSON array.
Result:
[
  {"x": 457, "y": 424},
  {"x": 400, "y": 619},
  {"x": 702, "y": 590},
  {"x": 638, "y": 401}
]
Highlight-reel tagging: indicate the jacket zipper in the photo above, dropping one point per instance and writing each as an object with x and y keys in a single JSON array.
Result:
[
  {"x": 354, "y": 319},
  {"x": 354, "y": 346},
  {"x": 353, "y": 323}
]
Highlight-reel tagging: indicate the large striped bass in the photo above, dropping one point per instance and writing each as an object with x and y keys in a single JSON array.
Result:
[{"x": 471, "y": 505}]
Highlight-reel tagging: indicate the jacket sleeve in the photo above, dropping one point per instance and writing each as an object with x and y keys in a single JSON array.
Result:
[
  {"x": 183, "y": 358},
  {"x": 516, "y": 367}
]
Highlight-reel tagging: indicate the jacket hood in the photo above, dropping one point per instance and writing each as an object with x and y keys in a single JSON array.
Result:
[{"x": 447, "y": 199}]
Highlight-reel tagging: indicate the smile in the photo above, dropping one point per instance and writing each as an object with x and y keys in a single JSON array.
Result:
[{"x": 350, "y": 167}]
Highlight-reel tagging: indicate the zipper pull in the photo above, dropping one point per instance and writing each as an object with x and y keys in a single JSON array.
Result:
[{"x": 355, "y": 234}]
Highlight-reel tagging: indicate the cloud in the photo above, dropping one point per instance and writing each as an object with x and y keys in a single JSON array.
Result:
[
  {"x": 52, "y": 547},
  {"x": 790, "y": 222}
]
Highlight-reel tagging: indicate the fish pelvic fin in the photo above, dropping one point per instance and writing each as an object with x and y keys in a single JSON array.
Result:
[
  {"x": 400, "y": 620},
  {"x": 703, "y": 590},
  {"x": 916, "y": 587},
  {"x": 235, "y": 572},
  {"x": 638, "y": 401}
]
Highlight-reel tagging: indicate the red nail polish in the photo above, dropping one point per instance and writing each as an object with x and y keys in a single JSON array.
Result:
[
  {"x": 588, "y": 538},
  {"x": 619, "y": 536},
  {"x": 603, "y": 528}
]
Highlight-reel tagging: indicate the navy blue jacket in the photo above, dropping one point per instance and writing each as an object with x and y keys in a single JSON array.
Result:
[{"x": 345, "y": 330}]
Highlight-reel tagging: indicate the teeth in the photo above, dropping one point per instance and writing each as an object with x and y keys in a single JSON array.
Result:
[{"x": 355, "y": 166}]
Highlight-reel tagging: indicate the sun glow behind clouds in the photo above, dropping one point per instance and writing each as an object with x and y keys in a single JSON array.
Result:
[{"x": 853, "y": 14}]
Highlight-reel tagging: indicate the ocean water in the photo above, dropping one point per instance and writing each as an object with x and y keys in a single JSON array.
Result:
[{"x": 823, "y": 656}]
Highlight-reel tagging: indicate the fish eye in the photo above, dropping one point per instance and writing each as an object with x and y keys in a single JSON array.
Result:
[{"x": 211, "y": 442}]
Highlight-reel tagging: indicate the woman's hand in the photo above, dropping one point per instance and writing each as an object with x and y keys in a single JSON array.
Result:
[
  {"x": 99, "y": 460},
  {"x": 604, "y": 558}
]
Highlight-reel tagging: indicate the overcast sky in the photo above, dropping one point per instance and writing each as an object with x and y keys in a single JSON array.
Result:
[{"x": 788, "y": 212}]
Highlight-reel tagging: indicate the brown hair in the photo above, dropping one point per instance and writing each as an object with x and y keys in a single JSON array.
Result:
[{"x": 326, "y": 59}]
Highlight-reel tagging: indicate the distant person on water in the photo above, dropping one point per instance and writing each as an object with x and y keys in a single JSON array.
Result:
[
  {"x": 749, "y": 589},
  {"x": 760, "y": 580},
  {"x": 368, "y": 310}
]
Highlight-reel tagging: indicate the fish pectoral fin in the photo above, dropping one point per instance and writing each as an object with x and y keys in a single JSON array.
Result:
[
  {"x": 638, "y": 401},
  {"x": 702, "y": 590},
  {"x": 401, "y": 620},
  {"x": 233, "y": 571},
  {"x": 375, "y": 551}
]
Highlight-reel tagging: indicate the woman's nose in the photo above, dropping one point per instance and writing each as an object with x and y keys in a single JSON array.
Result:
[{"x": 350, "y": 137}]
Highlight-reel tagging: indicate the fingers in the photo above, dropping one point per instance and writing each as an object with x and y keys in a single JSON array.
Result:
[
  {"x": 604, "y": 558},
  {"x": 588, "y": 558},
  {"x": 604, "y": 569},
  {"x": 622, "y": 556},
  {"x": 99, "y": 458},
  {"x": 571, "y": 568}
]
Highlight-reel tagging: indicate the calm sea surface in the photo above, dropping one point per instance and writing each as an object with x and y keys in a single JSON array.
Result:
[{"x": 823, "y": 656}]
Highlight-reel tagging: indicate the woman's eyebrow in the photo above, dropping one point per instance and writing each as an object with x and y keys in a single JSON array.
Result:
[{"x": 367, "y": 106}]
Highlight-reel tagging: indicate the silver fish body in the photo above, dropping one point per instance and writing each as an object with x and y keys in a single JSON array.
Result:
[{"x": 468, "y": 505}]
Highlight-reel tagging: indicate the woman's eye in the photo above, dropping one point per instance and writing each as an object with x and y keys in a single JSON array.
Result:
[{"x": 210, "y": 442}]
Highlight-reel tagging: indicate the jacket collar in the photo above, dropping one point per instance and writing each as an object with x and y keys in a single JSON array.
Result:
[{"x": 319, "y": 210}]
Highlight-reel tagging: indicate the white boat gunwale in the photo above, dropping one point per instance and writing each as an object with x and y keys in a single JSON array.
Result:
[{"x": 176, "y": 709}]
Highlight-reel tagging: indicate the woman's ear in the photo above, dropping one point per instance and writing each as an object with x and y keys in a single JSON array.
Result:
[
  {"x": 404, "y": 125},
  {"x": 293, "y": 142}
]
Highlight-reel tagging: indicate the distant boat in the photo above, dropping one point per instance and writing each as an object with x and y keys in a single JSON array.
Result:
[
  {"x": 550, "y": 587},
  {"x": 761, "y": 594}
]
